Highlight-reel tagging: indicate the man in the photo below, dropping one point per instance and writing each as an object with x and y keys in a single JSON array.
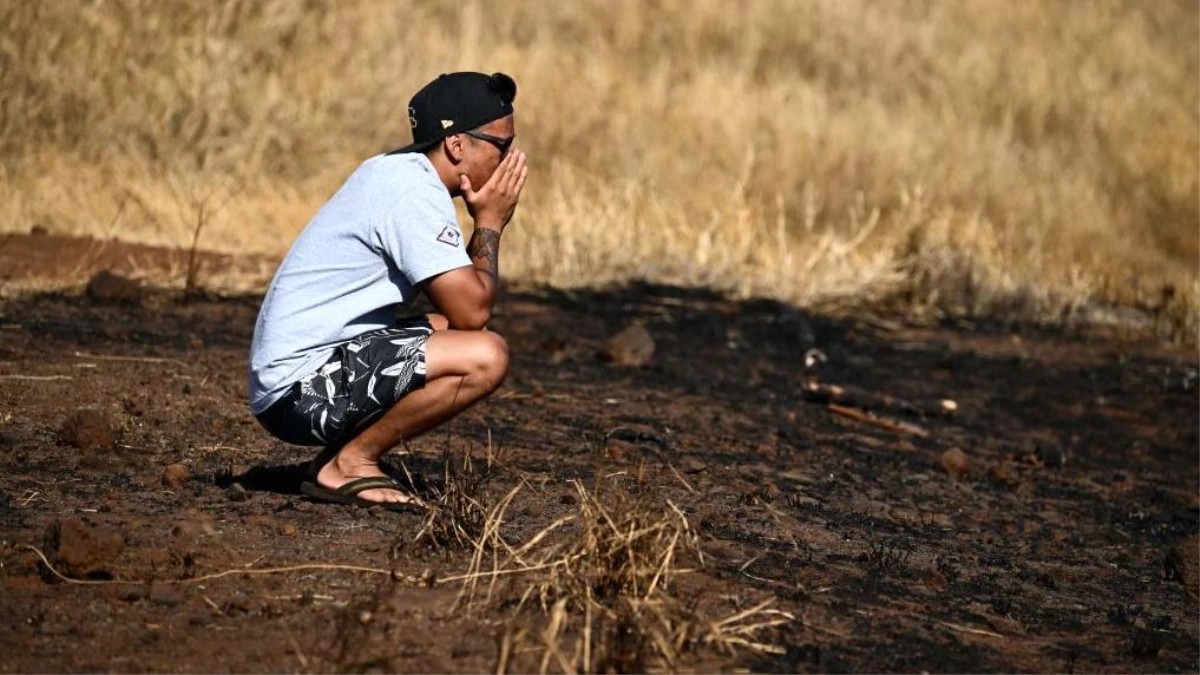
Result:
[{"x": 330, "y": 365}]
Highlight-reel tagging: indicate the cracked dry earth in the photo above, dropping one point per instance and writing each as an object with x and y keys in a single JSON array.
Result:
[{"x": 1060, "y": 537}]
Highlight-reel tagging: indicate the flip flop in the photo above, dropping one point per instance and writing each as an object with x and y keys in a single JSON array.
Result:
[{"x": 348, "y": 494}]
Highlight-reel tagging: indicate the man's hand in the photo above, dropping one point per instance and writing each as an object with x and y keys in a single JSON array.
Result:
[
  {"x": 465, "y": 295},
  {"x": 493, "y": 205}
]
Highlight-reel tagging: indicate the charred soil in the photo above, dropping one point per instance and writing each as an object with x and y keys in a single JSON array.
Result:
[{"x": 1044, "y": 522}]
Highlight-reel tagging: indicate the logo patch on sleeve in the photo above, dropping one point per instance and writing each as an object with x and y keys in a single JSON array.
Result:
[{"x": 450, "y": 236}]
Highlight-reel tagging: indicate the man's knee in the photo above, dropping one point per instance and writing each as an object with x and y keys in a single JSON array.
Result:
[
  {"x": 498, "y": 358},
  {"x": 493, "y": 359}
]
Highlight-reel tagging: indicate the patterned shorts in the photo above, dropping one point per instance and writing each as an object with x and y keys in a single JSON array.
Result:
[{"x": 363, "y": 379}]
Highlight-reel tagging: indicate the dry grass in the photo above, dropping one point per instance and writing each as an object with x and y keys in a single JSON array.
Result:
[
  {"x": 1036, "y": 160},
  {"x": 596, "y": 590},
  {"x": 458, "y": 516},
  {"x": 593, "y": 591}
]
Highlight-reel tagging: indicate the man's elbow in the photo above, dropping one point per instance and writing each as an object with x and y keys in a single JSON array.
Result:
[{"x": 473, "y": 320}]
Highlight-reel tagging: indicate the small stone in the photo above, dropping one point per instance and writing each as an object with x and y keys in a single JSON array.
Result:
[
  {"x": 954, "y": 462},
  {"x": 87, "y": 429},
  {"x": 237, "y": 493},
  {"x": 633, "y": 346},
  {"x": 174, "y": 475},
  {"x": 1004, "y": 474},
  {"x": 82, "y": 550},
  {"x": 287, "y": 529},
  {"x": 1051, "y": 456},
  {"x": 1183, "y": 565},
  {"x": 108, "y": 287}
]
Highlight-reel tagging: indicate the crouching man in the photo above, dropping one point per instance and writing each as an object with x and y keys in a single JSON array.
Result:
[{"x": 330, "y": 365}]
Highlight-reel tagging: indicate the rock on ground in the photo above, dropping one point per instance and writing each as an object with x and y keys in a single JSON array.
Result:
[
  {"x": 955, "y": 462},
  {"x": 174, "y": 475},
  {"x": 78, "y": 549},
  {"x": 633, "y": 346},
  {"x": 87, "y": 429},
  {"x": 108, "y": 287},
  {"x": 1183, "y": 565},
  {"x": 236, "y": 493},
  {"x": 1051, "y": 456}
]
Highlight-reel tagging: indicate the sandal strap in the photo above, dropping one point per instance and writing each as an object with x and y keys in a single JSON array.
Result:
[{"x": 358, "y": 485}]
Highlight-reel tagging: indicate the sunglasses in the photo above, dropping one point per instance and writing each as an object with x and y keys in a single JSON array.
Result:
[{"x": 502, "y": 144}]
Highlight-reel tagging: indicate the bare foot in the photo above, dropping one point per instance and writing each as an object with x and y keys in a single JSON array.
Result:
[{"x": 343, "y": 469}]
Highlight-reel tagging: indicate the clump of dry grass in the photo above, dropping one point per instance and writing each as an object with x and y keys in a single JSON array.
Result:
[
  {"x": 1039, "y": 161},
  {"x": 625, "y": 550},
  {"x": 595, "y": 590},
  {"x": 601, "y": 579},
  {"x": 457, "y": 515}
]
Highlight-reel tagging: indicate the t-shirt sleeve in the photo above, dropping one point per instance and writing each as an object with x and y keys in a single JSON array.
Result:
[{"x": 420, "y": 234}]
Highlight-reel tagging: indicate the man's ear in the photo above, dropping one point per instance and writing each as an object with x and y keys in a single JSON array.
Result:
[{"x": 452, "y": 145}]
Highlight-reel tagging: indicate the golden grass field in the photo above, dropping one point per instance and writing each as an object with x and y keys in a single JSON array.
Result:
[{"x": 1034, "y": 160}]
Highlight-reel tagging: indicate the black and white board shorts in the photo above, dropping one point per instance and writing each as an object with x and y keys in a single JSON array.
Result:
[{"x": 363, "y": 379}]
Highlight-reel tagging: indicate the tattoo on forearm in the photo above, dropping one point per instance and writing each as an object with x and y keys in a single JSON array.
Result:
[{"x": 485, "y": 244}]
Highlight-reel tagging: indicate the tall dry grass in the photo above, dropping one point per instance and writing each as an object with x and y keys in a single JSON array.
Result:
[{"x": 1035, "y": 160}]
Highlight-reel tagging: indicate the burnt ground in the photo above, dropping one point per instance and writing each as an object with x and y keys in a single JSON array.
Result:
[{"x": 887, "y": 560}]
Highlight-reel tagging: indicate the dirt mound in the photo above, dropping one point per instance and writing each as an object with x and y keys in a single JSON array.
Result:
[
  {"x": 105, "y": 286},
  {"x": 88, "y": 429},
  {"x": 1183, "y": 565},
  {"x": 633, "y": 346},
  {"x": 82, "y": 550}
]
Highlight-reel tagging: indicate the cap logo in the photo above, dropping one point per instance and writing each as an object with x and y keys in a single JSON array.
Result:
[
  {"x": 446, "y": 124},
  {"x": 412, "y": 116}
]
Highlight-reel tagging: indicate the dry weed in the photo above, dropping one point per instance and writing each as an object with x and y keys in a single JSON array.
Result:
[
  {"x": 457, "y": 515},
  {"x": 603, "y": 584}
]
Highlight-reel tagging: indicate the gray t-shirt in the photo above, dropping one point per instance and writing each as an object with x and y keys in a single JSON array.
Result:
[{"x": 390, "y": 226}]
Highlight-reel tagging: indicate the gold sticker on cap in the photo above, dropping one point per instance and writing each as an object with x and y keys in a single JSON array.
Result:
[{"x": 446, "y": 124}]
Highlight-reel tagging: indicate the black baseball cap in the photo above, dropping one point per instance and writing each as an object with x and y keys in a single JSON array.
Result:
[{"x": 457, "y": 102}]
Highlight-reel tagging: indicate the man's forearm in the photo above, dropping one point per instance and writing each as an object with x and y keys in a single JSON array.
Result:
[{"x": 484, "y": 251}]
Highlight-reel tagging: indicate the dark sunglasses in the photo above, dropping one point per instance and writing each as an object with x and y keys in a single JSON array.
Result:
[{"x": 502, "y": 144}]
